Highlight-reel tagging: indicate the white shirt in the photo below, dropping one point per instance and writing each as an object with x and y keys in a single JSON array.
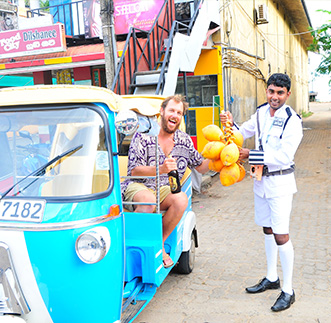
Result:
[{"x": 279, "y": 145}]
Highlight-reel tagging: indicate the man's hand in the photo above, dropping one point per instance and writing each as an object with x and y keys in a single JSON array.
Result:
[
  {"x": 203, "y": 167},
  {"x": 226, "y": 117},
  {"x": 168, "y": 165},
  {"x": 243, "y": 153}
]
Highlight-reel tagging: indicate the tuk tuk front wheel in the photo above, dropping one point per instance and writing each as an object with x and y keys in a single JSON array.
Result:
[{"x": 186, "y": 260}]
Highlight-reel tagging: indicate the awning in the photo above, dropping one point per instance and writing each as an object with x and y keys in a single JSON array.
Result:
[{"x": 79, "y": 56}]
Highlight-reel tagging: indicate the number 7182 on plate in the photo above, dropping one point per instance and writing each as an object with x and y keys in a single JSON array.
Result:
[{"x": 22, "y": 210}]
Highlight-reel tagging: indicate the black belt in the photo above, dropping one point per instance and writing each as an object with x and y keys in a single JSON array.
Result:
[{"x": 277, "y": 172}]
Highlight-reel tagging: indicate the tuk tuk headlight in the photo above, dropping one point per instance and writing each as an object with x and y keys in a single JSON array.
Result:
[{"x": 92, "y": 245}]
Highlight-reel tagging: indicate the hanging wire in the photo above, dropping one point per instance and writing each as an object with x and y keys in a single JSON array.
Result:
[{"x": 232, "y": 60}]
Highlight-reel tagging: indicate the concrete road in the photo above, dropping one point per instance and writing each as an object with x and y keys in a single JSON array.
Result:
[{"x": 231, "y": 252}]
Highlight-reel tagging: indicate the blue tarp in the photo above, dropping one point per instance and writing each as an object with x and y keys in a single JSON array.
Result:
[{"x": 12, "y": 80}]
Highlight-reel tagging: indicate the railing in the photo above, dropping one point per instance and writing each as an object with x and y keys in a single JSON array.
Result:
[
  {"x": 151, "y": 56},
  {"x": 70, "y": 14},
  {"x": 145, "y": 49},
  {"x": 176, "y": 27}
]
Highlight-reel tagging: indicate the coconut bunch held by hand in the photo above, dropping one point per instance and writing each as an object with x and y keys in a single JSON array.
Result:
[{"x": 223, "y": 151}]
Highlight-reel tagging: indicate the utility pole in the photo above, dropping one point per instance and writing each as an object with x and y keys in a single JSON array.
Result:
[{"x": 109, "y": 41}]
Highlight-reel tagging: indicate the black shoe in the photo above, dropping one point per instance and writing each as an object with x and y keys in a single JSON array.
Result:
[
  {"x": 263, "y": 285},
  {"x": 284, "y": 301}
]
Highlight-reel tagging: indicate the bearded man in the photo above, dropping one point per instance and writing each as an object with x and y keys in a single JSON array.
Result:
[{"x": 176, "y": 152}]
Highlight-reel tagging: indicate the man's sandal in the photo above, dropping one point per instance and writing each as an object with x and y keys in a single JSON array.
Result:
[{"x": 167, "y": 261}]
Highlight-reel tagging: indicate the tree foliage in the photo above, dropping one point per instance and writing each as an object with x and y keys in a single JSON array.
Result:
[
  {"x": 322, "y": 45},
  {"x": 43, "y": 3}
]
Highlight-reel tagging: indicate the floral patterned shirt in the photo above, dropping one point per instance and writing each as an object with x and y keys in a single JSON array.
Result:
[{"x": 142, "y": 153}]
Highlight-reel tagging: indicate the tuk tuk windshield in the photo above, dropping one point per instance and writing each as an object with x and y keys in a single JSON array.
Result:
[{"x": 29, "y": 139}]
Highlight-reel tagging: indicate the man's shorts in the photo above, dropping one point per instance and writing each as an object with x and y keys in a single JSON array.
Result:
[
  {"x": 274, "y": 212},
  {"x": 134, "y": 188}
]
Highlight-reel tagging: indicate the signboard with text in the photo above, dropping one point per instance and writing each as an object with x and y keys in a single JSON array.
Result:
[
  {"x": 34, "y": 41},
  {"x": 135, "y": 13},
  {"x": 127, "y": 13}
]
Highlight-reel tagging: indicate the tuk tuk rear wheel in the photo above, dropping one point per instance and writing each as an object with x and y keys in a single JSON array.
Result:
[{"x": 186, "y": 260}]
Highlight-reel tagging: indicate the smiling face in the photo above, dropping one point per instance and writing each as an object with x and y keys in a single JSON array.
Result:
[
  {"x": 277, "y": 96},
  {"x": 171, "y": 116}
]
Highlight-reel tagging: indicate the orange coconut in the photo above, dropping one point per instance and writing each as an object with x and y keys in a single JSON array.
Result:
[
  {"x": 215, "y": 165},
  {"x": 229, "y": 174},
  {"x": 213, "y": 149},
  {"x": 237, "y": 138},
  {"x": 230, "y": 154},
  {"x": 212, "y": 132},
  {"x": 242, "y": 172}
]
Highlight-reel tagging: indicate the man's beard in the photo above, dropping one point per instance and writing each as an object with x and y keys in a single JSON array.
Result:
[{"x": 164, "y": 124}]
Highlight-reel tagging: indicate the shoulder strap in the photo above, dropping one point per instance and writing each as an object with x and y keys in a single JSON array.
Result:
[
  {"x": 289, "y": 114},
  {"x": 265, "y": 103},
  {"x": 258, "y": 128}
]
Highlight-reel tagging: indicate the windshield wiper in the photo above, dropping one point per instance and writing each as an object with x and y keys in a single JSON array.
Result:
[{"x": 41, "y": 170}]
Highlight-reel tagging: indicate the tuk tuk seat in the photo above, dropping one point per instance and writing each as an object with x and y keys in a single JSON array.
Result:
[{"x": 76, "y": 169}]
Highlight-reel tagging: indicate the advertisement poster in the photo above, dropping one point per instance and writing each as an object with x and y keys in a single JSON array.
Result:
[
  {"x": 92, "y": 19},
  {"x": 127, "y": 13},
  {"x": 63, "y": 76},
  {"x": 48, "y": 39},
  {"x": 135, "y": 13},
  {"x": 8, "y": 21}
]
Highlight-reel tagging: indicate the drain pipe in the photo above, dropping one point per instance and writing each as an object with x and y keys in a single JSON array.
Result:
[{"x": 225, "y": 95}]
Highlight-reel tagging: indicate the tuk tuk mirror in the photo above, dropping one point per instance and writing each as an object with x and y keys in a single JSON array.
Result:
[
  {"x": 148, "y": 125},
  {"x": 25, "y": 134},
  {"x": 126, "y": 122}
]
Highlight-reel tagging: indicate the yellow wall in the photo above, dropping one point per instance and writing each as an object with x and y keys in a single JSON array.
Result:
[
  {"x": 204, "y": 117},
  {"x": 209, "y": 63}
]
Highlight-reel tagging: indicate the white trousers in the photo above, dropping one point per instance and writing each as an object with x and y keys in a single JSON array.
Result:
[{"x": 274, "y": 212}]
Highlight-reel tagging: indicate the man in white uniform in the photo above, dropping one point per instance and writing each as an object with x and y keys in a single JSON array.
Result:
[{"x": 278, "y": 133}]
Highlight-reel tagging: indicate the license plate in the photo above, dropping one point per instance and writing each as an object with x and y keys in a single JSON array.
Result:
[{"x": 22, "y": 210}]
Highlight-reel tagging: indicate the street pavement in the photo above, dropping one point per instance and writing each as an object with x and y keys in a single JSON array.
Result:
[{"x": 231, "y": 247}]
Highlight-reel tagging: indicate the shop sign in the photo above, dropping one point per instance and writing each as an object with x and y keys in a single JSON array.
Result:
[
  {"x": 127, "y": 13},
  {"x": 135, "y": 13},
  {"x": 34, "y": 41}
]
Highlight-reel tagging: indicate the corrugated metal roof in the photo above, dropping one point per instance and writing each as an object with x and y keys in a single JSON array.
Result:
[{"x": 297, "y": 12}]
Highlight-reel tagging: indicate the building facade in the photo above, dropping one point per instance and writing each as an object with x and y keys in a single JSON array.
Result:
[
  {"x": 241, "y": 46},
  {"x": 260, "y": 38}
]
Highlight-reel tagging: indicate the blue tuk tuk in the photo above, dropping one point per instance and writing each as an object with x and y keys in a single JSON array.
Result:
[{"x": 69, "y": 250}]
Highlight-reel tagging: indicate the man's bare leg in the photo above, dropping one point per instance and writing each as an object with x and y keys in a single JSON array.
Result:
[
  {"x": 146, "y": 197},
  {"x": 175, "y": 205}
]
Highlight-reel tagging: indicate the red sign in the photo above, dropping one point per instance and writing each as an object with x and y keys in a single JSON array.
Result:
[
  {"x": 32, "y": 41},
  {"x": 135, "y": 13}
]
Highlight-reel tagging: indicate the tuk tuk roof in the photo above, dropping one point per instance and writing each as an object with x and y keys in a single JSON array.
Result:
[
  {"x": 46, "y": 94},
  {"x": 145, "y": 105}
]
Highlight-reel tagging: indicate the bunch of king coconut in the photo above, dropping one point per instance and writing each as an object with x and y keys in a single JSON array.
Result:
[{"x": 223, "y": 151}]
